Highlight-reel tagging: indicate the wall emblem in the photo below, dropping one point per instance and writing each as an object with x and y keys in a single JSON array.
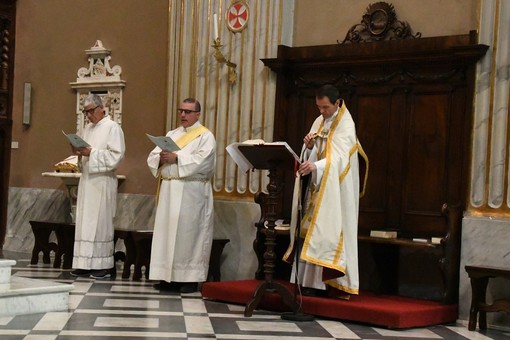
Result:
[{"x": 237, "y": 16}]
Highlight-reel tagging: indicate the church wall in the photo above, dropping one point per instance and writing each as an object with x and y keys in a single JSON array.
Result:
[
  {"x": 325, "y": 22},
  {"x": 50, "y": 48}
]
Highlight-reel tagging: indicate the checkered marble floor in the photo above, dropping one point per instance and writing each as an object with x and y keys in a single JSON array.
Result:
[{"x": 123, "y": 309}]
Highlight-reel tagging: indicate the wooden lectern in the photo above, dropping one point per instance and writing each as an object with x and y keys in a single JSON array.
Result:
[{"x": 270, "y": 157}]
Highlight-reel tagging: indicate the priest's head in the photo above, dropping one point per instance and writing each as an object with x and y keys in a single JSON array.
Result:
[
  {"x": 93, "y": 108},
  {"x": 189, "y": 112},
  {"x": 327, "y": 99}
]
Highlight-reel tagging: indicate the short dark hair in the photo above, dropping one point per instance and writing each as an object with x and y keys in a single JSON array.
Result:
[
  {"x": 329, "y": 91},
  {"x": 198, "y": 108}
]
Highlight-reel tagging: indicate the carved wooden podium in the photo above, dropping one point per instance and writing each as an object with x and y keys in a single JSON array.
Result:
[{"x": 273, "y": 158}]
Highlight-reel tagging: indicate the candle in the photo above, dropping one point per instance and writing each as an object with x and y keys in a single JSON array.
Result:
[{"x": 215, "y": 26}]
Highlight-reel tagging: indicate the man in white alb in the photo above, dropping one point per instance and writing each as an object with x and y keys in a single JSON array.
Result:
[
  {"x": 329, "y": 255},
  {"x": 183, "y": 227},
  {"x": 97, "y": 192}
]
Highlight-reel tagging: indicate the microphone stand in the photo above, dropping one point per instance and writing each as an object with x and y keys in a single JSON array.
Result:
[{"x": 297, "y": 315}]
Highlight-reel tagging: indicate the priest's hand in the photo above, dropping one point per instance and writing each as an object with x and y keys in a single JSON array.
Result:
[
  {"x": 167, "y": 157},
  {"x": 82, "y": 151},
  {"x": 309, "y": 140},
  {"x": 85, "y": 151},
  {"x": 306, "y": 168}
]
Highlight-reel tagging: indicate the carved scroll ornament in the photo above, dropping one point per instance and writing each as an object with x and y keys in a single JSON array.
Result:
[{"x": 379, "y": 23}]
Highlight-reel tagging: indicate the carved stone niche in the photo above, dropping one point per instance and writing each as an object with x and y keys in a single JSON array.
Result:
[
  {"x": 102, "y": 79},
  {"x": 379, "y": 23}
]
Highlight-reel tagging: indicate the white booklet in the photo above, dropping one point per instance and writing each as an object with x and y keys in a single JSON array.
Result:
[
  {"x": 76, "y": 140},
  {"x": 164, "y": 142},
  {"x": 383, "y": 233},
  {"x": 243, "y": 163}
]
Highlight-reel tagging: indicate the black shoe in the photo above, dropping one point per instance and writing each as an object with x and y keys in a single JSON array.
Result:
[
  {"x": 307, "y": 291},
  {"x": 81, "y": 272},
  {"x": 167, "y": 286},
  {"x": 189, "y": 287},
  {"x": 101, "y": 274}
]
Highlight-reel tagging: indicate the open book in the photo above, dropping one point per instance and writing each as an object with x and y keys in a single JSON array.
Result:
[
  {"x": 164, "y": 142},
  {"x": 76, "y": 140},
  {"x": 242, "y": 162}
]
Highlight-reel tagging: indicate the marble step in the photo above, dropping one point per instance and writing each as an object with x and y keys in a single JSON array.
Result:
[
  {"x": 5, "y": 271},
  {"x": 20, "y": 295}
]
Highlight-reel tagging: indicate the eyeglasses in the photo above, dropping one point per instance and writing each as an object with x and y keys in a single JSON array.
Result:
[
  {"x": 186, "y": 111},
  {"x": 88, "y": 111}
]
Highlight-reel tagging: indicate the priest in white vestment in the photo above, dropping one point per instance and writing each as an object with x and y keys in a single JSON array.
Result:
[
  {"x": 329, "y": 251},
  {"x": 97, "y": 192},
  {"x": 183, "y": 227}
]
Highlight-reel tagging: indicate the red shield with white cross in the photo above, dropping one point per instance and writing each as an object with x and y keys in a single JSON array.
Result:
[{"x": 237, "y": 16}]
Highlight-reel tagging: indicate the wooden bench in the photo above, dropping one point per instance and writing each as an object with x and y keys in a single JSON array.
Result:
[
  {"x": 63, "y": 248},
  {"x": 386, "y": 254},
  {"x": 41, "y": 242},
  {"x": 138, "y": 245},
  {"x": 65, "y": 234},
  {"x": 214, "y": 273},
  {"x": 143, "y": 244},
  {"x": 130, "y": 256},
  {"x": 479, "y": 279},
  {"x": 65, "y": 241},
  {"x": 446, "y": 254}
]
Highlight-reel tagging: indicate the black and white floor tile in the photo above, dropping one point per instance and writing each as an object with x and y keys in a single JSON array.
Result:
[{"x": 123, "y": 309}]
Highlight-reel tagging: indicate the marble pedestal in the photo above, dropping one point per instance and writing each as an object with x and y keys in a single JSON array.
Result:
[{"x": 19, "y": 295}]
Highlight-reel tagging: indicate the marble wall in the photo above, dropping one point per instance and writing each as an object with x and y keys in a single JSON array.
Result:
[
  {"x": 485, "y": 242},
  {"x": 232, "y": 220},
  {"x": 26, "y": 204}
]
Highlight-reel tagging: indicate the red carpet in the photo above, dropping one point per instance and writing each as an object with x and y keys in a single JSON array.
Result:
[{"x": 382, "y": 310}]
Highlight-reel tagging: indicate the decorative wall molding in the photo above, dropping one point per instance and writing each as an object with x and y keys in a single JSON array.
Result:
[{"x": 379, "y": 23}]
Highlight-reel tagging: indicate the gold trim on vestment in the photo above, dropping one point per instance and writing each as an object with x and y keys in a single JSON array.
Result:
[
  {"x": 346, "y": 289},
  {"x": 317, "y": 203},
  {"x": 360, "y": 150},
  {"x": 190, "y": 135},
  {"x": 185, "y": 179},
  {"x": 365, "y": 157},
  {"x": 309, "y": 220}
]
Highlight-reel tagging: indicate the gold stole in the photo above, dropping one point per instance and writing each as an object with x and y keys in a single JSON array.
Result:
[
  {"x": 325, "y": 152},
  {"x": 316, "y": 197},
  {"x": 320, "y": 133},
  {"x": 190, "y": 135}
]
